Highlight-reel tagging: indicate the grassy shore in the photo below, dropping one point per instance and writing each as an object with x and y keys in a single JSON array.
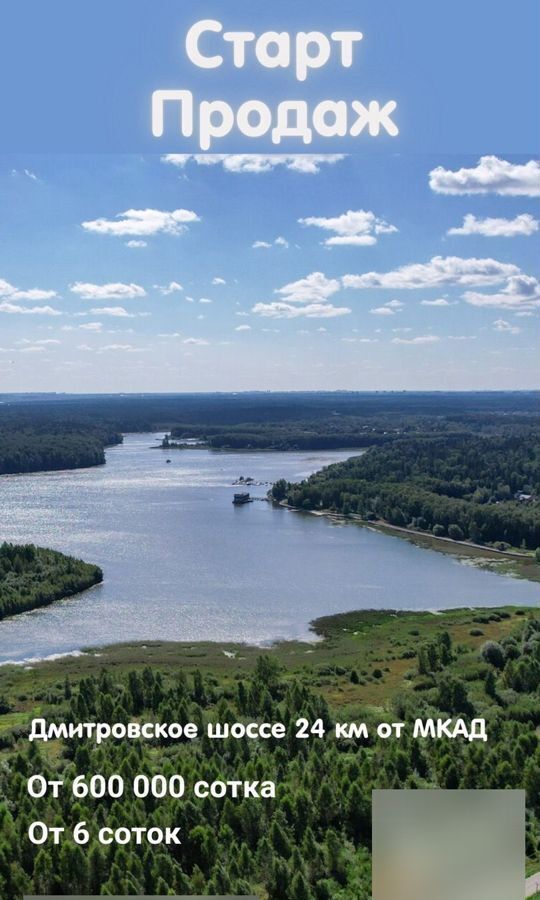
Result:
[{"x": 378, "y": 646}]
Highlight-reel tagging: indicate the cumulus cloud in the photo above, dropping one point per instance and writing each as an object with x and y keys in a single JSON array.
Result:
[
  {"x": 439, "y": 271},
  {"x": 116, "y": 347},
  {"x": 136, "y": 244},
  {"x": 218, "y": 280},
  {"x": 264, "y": 245},
  {"x": 115, "y": 311},
  {"x": 420, "y": 339},
  {"x": 172, "y": 287},
  {"x": 308, "y": 297},
  {"x": 198, "y": 342},
  {"x": 243, "y": 328},
  {"x": 10, "y": 292},
  {"x": 110, "y": 291},
  {"x": 522, "y": 225},
  {"x": 388, "y": 309},
  {"x": 440, "y": 301},
  {"x": 521, "y": 292},
  {"x": 354, "y": 228},
  {"x": 314, "y": 287},
  {"x": 504, "y": 326},
  {"x": 92, "y": 326},
  {"x": 256, "y": 163},
  {"x": 143, "y": 223},
  {"x": 282, "y": 310},
  {"x": 6, "y": 306},
  {"x": 490, "y": 175}
]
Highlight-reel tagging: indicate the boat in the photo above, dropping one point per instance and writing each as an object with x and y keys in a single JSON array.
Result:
[{"x": 241, "y": 498}]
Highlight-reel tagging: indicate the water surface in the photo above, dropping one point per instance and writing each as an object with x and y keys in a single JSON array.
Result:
[{"x": 182, "y": 563}]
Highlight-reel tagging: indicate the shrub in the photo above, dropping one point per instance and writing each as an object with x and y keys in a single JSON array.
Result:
[{"x": 493, "y": 653}]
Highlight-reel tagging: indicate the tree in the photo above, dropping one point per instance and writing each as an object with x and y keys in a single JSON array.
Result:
[
  {"x": 493, "y": 653},
  {"x": 279, "y": 489}
]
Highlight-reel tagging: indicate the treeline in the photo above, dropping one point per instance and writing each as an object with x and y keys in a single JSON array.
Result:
[
  {"x": 31, "y": 577},
  {"x": 313, "y": 842},
  {"x": 28, "y": 448},
  {"x": 41, "y": 432},
  {"x": 324, "y": 434},
  {"x": 460, "y": 486}
]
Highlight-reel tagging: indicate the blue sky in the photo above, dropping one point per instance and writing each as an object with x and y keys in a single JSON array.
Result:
[
  {"x": 372, "y": 271},
  {"x": 78, "y": 77}
]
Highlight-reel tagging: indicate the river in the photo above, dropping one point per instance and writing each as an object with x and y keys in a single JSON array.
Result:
[{"x": 181, "y": 562}]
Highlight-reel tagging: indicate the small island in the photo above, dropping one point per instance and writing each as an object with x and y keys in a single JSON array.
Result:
[{"x": 32, "y": 576}]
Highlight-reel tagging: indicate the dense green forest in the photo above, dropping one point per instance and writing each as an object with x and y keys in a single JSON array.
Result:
[
  {"x": 40, "y": 432},
  {"x": 313, "y": 841},
  {"x": 28, "y": 448},
  {"x": 31, "y": 577},
  {"x": 485, "y": 488}
]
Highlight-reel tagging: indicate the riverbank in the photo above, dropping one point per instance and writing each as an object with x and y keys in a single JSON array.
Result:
[{"x": 502, "y": 562}]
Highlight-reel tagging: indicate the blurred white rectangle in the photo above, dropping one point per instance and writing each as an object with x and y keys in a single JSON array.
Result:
[{"x": 448, "y": 845}]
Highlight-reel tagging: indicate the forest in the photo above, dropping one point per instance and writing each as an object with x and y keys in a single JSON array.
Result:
[
  {"x": 313, "y": 842},
  {"x": 39, "y": 432},
  {"x": 479, "y": 487},
  {"x": 31, "y": 577},
  {"x": 29, "y": 448}
]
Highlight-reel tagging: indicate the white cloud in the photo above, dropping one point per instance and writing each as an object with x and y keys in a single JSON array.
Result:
[
  {"x": 116, "y": 311},
  {"x": 504, "y": 326},
  {"x": 355, "y": 227},
  {"x": 490, "y": 175},
  {"x": 440, "y": 301},
  {"x": 264, "y": 245},
  {"x": 364, "y": 340},
  {"x": 6, "y": 306},
  {"x": 143, "y": 222},
  {"x": 449, "y": 270},
  {"x": 523, "y": 225},
  {"x": 135, "y": 244},
  {"x": 314, "y": 287},
  {"x": 116, "y": 347},
  {"x": 43, "y": 342},
  {"x": 111, "y": 291},
  {"x": 198, "y": 342},
  {"x": 243, "y": 328},
  {"x": 171, "y": 288},
  {"x": 33, "y": 294},
  {"x": 282, "y": 310},
  {"x": 521, "y": 292},
  {"x": 388, "y": 309},
  {"x": 306, "y": 297},
  {"x": 205, "y": 300},
  {"x": 218, "y": 280},
  {"x": 257, "y": 163},
  {"x": 92, "y": 326},
  {"x": 420, "y": 339},
  {"x": 27, "y": 172}
]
